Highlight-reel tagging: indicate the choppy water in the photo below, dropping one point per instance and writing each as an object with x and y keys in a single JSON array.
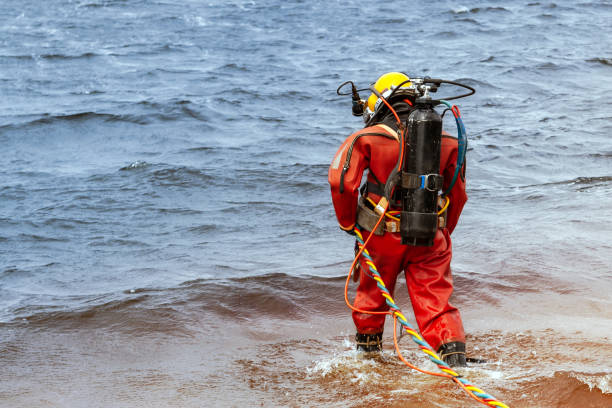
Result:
[{"x": 166, "y": 231}]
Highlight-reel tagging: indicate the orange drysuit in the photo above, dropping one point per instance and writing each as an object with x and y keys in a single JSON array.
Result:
[{"x": 427, "y": 269}]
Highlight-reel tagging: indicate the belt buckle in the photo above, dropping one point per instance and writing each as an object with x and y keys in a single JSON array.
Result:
[
  {"x": 392, "y": 226},
  {"x": 428, "y": 182}
]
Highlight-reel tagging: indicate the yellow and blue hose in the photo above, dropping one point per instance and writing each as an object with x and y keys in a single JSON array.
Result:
[{"x": 475, "y": 392}]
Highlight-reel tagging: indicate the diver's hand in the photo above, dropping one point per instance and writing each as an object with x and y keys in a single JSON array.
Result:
[
  {"x": 356, "y": 272},
  {"x": 357, "y": 268}
]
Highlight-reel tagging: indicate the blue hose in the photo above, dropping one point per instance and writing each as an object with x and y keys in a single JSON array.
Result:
[{"x": 462, "y": 146}]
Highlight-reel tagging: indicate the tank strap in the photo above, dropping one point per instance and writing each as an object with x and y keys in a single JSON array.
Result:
[
  {"x": 411, "y": 181},
  {"x": 431, "y": 182}
]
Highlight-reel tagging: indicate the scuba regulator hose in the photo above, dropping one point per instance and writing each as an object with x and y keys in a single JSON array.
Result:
[
  {"x": 381, "y": 209},
  {"x": 462, "y": 144}
]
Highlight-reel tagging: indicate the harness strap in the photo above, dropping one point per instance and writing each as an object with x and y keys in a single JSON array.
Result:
[
  {"x": 366, "y": 186},
  {"x": 367, "y": 219},
  {"x": 379, "y": 189},
  {"x": 349, "y": 154}
]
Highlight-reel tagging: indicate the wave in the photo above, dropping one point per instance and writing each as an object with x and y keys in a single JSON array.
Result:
[
  {"x": 468, "y": 20},
  {"x": 51, "y": 57},
  {"x": 167, "y": 175},
  {"x": 603, "y": 61},
  {"x": 131, "y": 313},
  {"x": 167, "y": 111},
  {"x": 199, "y": 149},
  {"x": 390, "y": 20},
  {"x": 232, "y": 67},
  {"x": 274, "y": 295},
  {"x": 475, "y": 10},
  {"x": 269, "y": 296},
  {"x": 103, "y": 4},
  {"x": 40, "y": 238},
  {"x": 180, "y": 176},
  {"x": 581, "y": 182},
  {"x": 86, "y": 55},
  {"x": 202, "y": 229},
  {"x": 138, "y": 164},
  {"x": 77, "y": 118},
  {"x": 488, "y": 9},
  {"x": 572, "y": 389}
]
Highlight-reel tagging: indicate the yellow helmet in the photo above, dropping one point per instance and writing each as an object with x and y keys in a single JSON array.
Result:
[{"x": 383, "y": 88}]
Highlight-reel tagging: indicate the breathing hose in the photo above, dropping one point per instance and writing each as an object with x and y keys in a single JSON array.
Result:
[{"x": 462, "y": 144}]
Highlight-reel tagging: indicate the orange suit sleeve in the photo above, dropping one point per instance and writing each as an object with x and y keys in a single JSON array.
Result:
[{"x": 344, "y": 176}]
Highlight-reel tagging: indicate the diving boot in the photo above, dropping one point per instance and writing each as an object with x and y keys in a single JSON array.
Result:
[
  {"x": 453, "y": 354},
  {"x": 369, "y": 343}
]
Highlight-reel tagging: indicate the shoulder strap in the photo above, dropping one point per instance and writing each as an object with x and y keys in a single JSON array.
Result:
[{"x": 350, "y": 153}]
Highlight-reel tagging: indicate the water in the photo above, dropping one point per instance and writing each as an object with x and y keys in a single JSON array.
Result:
[{"x": 166, "y": 231}]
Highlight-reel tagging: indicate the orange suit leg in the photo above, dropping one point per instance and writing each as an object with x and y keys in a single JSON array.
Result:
[{"x": 430, "y": 285}]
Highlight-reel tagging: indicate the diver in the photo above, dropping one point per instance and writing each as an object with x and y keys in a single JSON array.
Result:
[{"x": 424, "y": 260}]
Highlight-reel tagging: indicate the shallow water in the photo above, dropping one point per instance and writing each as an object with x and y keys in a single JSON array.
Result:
[{"x": 166, "y": 231}]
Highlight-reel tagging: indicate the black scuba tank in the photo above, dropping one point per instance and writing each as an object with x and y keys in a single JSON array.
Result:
[{"x": 420, "y": 178}]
